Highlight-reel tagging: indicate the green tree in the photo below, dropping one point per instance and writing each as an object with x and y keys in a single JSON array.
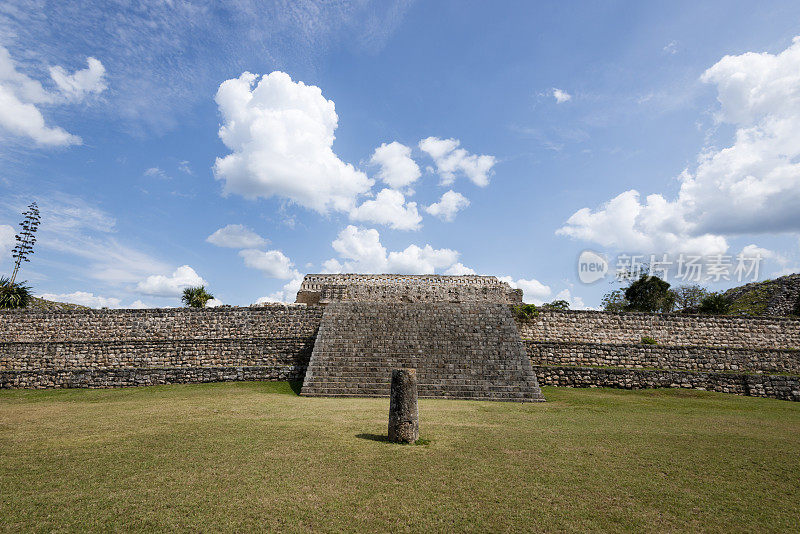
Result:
[
  {"x": 689, "y": 296},
  {"x": 13, "y": 295},
  {"x": 649, "y": 294},
  {"x": 715, "y": 303},
  {"x": 614, "y": 301},
  {"x": 196, "y": 297}
]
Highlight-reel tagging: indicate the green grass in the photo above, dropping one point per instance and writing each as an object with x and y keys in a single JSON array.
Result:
[{"x": 255, "y": 456}]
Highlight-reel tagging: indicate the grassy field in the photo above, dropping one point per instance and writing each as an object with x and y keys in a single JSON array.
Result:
[{"x": 255, "y": 456}]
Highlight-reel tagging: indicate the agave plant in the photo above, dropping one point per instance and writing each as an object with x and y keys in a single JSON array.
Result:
[
  {"x": 196, "y": 297},
  {"x": 13, "y": 295}
]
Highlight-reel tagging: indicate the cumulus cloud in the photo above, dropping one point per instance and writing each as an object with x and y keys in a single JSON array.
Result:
[
  {"x": 287, "y": 294},
  {"x": 280, "y": 134},
  {"x": 459, "y": 269},
  {"x": 76, "y": 86},
  {"x": 749, "y": 187},
  {"x": 236, "y": 236},
  {"x": 272, "y": 263},
  {"x": 451, "y": 160},
  {"x": 533, "y": 290},
  {"x": 170, "y": 286},
  {"x": 83, "y": 298},
  {"x": 360, "y": 251},
  {"x": 447, "y": 207},
  {"x": 561, "y": 96},
  {"x": 396, "y": 166},
  {"x": 389, "y": 207}
]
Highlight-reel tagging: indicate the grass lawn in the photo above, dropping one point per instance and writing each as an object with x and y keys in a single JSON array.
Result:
[{"x": 255, "y": 456}]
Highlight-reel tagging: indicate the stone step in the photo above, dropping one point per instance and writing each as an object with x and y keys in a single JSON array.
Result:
[{"x": 459, "y": 350}]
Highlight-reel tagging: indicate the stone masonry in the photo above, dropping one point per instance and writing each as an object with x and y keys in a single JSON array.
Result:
[
  {"x": 461, "y": 351},
  {"x": 326, "y": 288}
]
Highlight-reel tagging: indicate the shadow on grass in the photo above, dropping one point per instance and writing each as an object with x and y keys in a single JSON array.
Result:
[
  {"x": 373, "y": 437},
  {"x": 296, "y": 386},
  {"x": 385, "y": 439}
]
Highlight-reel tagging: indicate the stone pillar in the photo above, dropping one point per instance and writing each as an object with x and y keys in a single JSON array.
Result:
[{"x": 403, "y": 414}]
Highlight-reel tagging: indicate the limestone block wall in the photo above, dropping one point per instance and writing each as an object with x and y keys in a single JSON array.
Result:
[
  {"x": 107, "y": 348},
  {"x": 395, "y": 288},
  {"x": 756, "y": 356},
  {"x": 666, "y": 329}
]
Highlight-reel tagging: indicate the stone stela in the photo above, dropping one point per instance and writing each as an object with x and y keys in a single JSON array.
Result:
[{"x": 403, "y": 411}]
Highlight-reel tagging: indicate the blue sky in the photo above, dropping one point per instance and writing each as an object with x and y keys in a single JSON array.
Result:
[{"x": 514, "y": 135}]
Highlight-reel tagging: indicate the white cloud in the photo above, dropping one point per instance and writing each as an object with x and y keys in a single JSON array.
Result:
[
  {"x": 397, "y": 168},
  {"x": 287, "y": 294},
  {"x": 170, "y": 286},
  {"x": 561, "y": 96},
  {"x": 22, "y": 96},
  {"x": 671, "y": 47},
  {"x": 749, "y": 187},
  {"x": 139, "y": 305},
  {"x": 626, "y": 224},
  {"x": 85, "y": 233},
  {"x": 272, "y": 263},
  {"x": 156, "y": 172},
  {"x": 360, "y": 251},
  {"x": 450, "y": 204},
  {"x": 83, "y": 298},
  {"x": 575, "y": 302},
  {"x": 533, "y": 290},
  {"x": 19, "y": 115},
  {"x": 459, "y": 269},
  {"x": 183, "y": 166},
  {"x": 214, "y": 303},
  {"x": 389, "y": 208},
  {"x": 281, "y": 136},
  {"x": 450, "y": 160},
  {"x": 236, "y": 236},
  {"x": 76, "y": 86}
]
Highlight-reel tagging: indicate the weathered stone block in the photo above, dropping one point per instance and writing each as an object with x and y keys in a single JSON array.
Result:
[{"x": 403, "y": 412}]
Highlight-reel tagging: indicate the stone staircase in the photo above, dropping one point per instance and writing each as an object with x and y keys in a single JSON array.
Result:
[{"x": 460, "y": 351}]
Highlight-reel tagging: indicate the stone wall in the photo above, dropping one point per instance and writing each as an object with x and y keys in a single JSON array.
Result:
[
  {"x": 666, "y": 329},
  {"x": 782, "y": 387},
  {"x": 108, "y": 348},
  {"x": 691, "y": 358},
  {"x": 395, "y": 288},
  {"x": 745, "y": 355}
]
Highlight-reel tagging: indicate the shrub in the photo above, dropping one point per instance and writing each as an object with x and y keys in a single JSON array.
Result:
[
  {"x": 196, "y": 297},
  {"x": 16, "y": 295},
  {"x": 715, "y": 303},
  {"x": 648, "y": 341},
  {"x": 557, "y": 305},
  {"x": 649, "y": 294},
  {"x": 526, "y": 311}
]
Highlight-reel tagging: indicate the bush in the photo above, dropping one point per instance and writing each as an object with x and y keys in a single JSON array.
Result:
[
  {"x": 648, "y": 341},
  {"x": 650, "y": 294},
  {"x": 12, "y": 296},
  {"x": 715, "y": 303},
  {"x": 557, "y": 305},
  {"x": 689, "y": 297},
  {"x": 526, "y": 311},
  {"x": 196, "y": 297}
]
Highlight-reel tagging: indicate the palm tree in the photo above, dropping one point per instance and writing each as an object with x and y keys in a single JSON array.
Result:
[{"x": 196, "y": 297}]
